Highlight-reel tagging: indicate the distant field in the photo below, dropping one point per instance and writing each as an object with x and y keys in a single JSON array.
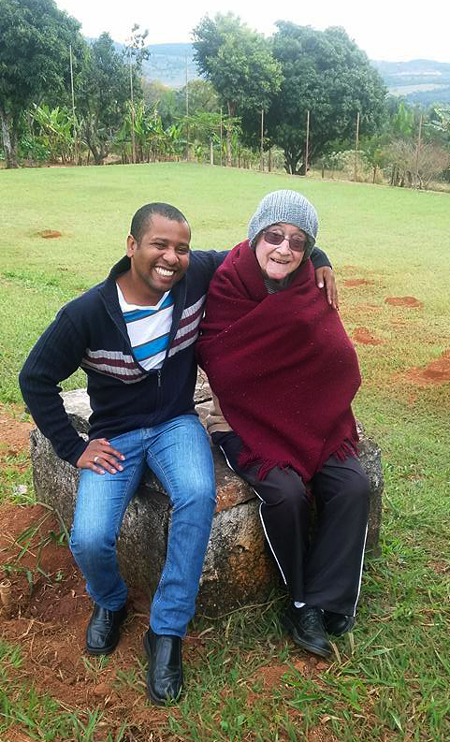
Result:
[
  {"x": 422, "y": 87},
  {"x": 385, "y": 244}
]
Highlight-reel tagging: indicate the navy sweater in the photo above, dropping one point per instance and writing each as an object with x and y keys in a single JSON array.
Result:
[{"x": 90, "y": 332}]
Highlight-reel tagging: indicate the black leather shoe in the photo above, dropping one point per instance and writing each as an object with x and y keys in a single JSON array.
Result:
[
  {"x": 165, "y": 667},
  {"x": 103, "y": 631},
  {"x": 337, "y": 623},
  {"x": 305, "y": 625}
]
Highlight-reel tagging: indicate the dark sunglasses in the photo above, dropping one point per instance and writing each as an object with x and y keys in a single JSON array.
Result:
[{"x": 296, "y": 243}]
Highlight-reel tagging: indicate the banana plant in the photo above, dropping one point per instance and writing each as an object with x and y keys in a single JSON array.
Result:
[{"x": 55, "y": 131}]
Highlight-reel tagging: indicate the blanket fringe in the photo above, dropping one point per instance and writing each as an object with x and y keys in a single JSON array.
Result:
[
  {"x": 247, "y": 458},
  {"x": 345, "y": 450}
]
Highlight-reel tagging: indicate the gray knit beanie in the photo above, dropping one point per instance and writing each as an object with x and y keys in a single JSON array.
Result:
[{"x": 289, "y": 207}]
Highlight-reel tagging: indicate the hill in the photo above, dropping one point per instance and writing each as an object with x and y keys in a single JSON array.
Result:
[
  {"x": 167, "y": 64},
  {"x": 418, "y": 81}
]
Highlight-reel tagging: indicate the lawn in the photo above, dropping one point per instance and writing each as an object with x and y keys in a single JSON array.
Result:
[{"x": 390, "y": 679}]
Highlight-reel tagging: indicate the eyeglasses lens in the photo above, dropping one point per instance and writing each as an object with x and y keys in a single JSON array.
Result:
[{"x": 297, "y": 244}]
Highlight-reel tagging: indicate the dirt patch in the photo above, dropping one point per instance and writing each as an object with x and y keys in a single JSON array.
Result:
[
  {"x": 437, "y": 372},
  {"x": 321, "y": 734},
  {"x": 353, "y": 282},
  {"x": 49, "y": 234},
  {"x": 14, "y": 433},
  {"x": 363, "y": 336},
  {"x": 45, "y": 583},
  {"x": 403, "y": 301},
  {"x": 270, "y": 676},
  {"x": 439, "y": 567},
  {"x": 15, "y": 736},
  {"x": 48, "y": 618}
]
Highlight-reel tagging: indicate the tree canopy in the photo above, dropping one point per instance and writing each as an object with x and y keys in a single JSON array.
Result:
[
  {"x": 327, "y": 74},
  {"x": 34, "y": 59},
  {"x": 103, "y": 91},
  {"x": 238, "y": 62}
]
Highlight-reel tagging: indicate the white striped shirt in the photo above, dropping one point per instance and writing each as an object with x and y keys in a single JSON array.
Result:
[{"x": 148, "y": 329}]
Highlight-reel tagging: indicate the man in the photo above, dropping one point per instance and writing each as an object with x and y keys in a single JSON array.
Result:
[{"x": 134, "y": 336}]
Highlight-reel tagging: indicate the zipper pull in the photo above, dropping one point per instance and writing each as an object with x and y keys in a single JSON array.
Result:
[{"x": 159, "y": 378}]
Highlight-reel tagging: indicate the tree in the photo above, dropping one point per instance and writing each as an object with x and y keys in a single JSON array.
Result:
[
  {"x": 202, "y": 98},
  {"x": 165, "y": 99},
  {"x": 34, "y": 60},
  {"x": 137, "y": 53},
  {"x": 239, "y": 64},
  {"x": 103, "y": 92},
  {"x": 327, "y": 74},
  {"x": 440, "y": 122}
]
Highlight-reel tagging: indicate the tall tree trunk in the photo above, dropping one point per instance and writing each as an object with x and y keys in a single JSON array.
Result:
[
  {"x": 7, "y": 141},
  {"x": 229, "y": 163},
  {"x": 230, "y": 113}
]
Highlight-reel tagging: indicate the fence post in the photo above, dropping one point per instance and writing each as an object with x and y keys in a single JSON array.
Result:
[
  {"x": 307, "y": 143},
  {"x": 355, "y": 174}
]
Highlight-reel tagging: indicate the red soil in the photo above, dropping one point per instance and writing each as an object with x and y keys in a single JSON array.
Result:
[
  {"x": 49, "y": 234},
  {"x": 437, "y": 372},
  {"x": 352, "y": 282},
  {"x": 403, "y": 301},
  {"x": 14, "y": 433},
  {"x": 364, "y": 336}
]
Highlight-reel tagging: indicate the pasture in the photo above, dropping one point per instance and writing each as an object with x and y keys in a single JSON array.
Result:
[{"x": 389, "y": 680}]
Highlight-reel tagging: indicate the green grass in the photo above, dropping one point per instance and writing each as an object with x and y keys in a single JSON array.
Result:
[{"x": 391, "y": 682}]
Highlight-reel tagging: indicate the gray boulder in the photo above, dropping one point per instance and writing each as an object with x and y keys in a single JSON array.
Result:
[{"x": 238, "y": 568}]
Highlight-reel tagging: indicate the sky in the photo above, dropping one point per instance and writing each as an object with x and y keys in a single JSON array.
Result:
[{"x": 391, "y": 30}]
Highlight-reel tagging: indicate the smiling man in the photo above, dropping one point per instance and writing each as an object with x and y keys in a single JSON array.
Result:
[{"x": 134, "y": 336}]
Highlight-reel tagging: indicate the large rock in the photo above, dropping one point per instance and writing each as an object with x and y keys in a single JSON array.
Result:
[{"x": 238, "y": 568}]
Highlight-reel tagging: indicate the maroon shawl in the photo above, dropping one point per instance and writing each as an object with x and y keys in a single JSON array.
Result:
[{"x": 282, "y": 366}]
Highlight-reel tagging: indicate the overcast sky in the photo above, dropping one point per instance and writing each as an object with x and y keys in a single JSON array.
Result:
[{"x": 393, "y": 30}]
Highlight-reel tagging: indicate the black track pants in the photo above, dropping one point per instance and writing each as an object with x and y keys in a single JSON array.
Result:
[{"x": 326, "y": 572}]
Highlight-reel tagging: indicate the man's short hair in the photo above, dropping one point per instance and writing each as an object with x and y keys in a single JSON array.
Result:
[{"x": 143, "y": 216}]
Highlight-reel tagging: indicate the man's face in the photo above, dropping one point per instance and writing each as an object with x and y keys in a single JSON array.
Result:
[{"x": 161, "y": 257}]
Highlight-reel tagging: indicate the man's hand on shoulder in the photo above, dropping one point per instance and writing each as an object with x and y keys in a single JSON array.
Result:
[
  {"x": 325, "y": 278},
  {"x": 101, "y": 457}
]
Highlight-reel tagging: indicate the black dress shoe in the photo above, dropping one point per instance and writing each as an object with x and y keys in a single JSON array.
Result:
[
  {"x": 103, "y": 631},
  {"x": 305, "y": 625},
  {"x": 165, "y": 667},
  {"x": 337, "y": 623}
]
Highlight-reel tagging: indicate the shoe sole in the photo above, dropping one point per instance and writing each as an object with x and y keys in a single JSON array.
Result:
[
  {"x": 290, "y": 628},
  {"x": 106, "y": 650}
]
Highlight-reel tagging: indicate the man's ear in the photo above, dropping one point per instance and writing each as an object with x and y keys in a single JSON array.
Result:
[{"x": 131, "y": 245}]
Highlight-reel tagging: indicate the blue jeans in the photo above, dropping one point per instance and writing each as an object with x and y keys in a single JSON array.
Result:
[{"x": 178, "y": 452}]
